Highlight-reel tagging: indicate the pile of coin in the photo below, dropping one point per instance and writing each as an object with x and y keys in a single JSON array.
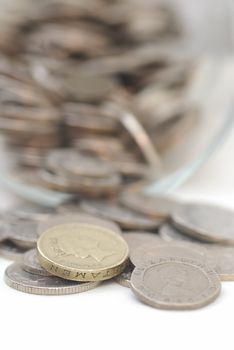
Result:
[
  {"x": 91, "y": 96},
  {"x": 89, "y": 77},
  {"x": 177, "y": 263}
]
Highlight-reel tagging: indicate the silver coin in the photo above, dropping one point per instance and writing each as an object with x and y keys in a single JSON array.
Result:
[
  {"x": 16, "y": 277},
  {"x": 70, "y": 161},
  {"x": 126, "y": 218},
  {"x": 10, "y": 251},
  {"x": 124, "y": 278},
  {"x": 22, "y": 232},
  {"x": 175, "y": 284},
  {"x": 136, "y": 239},
  {"x": 60, "y": 219},
  {"x": 80, "y": 184},
  {"x": 205, "y": 222},
  {"x": 31, "y": 212},
  {"x": 147, "y": 253},
  {"x": 169, "y": 233},
  {"x": 158, "y": 207},
  {"x": 221, "y": 259},
  {"x": 88, "y": 87},
  {"x": 31, "y": 263}
]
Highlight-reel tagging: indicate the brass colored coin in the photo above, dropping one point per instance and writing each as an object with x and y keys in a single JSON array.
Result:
[{"x": 82, "y": 252}]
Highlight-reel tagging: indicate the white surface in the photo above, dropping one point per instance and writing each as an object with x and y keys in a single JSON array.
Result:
[{"x": 110, "y": 317}]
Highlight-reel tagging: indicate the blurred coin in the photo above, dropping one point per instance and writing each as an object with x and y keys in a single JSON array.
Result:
[
  {"x": 158, "y": 207},
  {"x": 126, "y": 218},
  {"x": 124, "y": 278},
  {"x": 148, "y": 252},
  {"x": 89, "y": 118},
  {"x": 16, "y": 277},
  {"x": 9, "y": 250},
  {"x": 176, "y": 284},
  {"x": 31, "y": 212},
  {"x": 205, "y": 222},
  {"x": 79, "y": 218},
  {"x": 221, "y": 259},
  {"x": 169, "y": 233},
  {"x": 136, "y": 239},
  {"x": 31, "y": 264},
  {"x": 81, "y": 184},
  {"x": 21, "y": 232},
  {"x": 82, "y": 252},
  {"x": 80, "y": 86}
]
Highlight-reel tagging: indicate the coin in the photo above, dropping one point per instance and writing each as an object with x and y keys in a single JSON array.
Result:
[
  {"x": 205, "y": 222},
  {"x": 82, "y": 185},
  {"x": 31, "y": 264},
  {"x": 82, "y": 252},
  {"x": 78, "y": 218},
  {"x": 124, "y": 278},
  {"x": 169, "y": 233},
  {"x": 16, "y": 277},
  {"x": 126, "y": 218},
  {"x": 147, "y": 253},
  {"x": 10, "y": 251},
  {"x": 221, "y": 259},
  {"x": 22, "y": 232},
  {"x": 32, "y": 212},
  {"x": 175, "y": 284},
  {"x": 135, "y": 239},
  {"x": 157, "y": 207}
]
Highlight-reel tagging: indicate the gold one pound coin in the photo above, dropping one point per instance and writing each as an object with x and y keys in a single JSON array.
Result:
[{"x": 82, "y": 252}]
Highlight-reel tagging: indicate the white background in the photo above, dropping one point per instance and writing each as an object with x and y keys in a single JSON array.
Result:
[{"x": 110, "y": 317}]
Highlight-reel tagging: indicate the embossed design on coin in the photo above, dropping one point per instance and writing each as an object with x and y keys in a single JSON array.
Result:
[
  {"x": 176, "y": 284},
  {"x": 16, "y": 277},
  {"x": 82, "y": 252}
]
